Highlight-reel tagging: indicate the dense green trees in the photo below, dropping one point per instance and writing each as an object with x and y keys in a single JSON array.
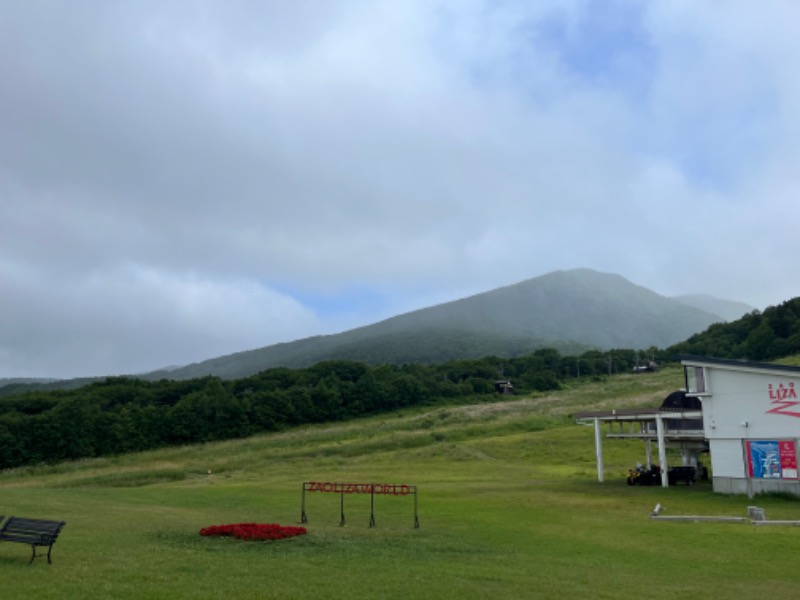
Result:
[
  {"x": 124, "y": 414},
  {"x": 756, "y": 336}
]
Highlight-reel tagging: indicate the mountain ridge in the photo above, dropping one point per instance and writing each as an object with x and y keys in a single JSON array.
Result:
[
  {"x": 571, "y": 311},
  {"x": 727, "y": 309}
]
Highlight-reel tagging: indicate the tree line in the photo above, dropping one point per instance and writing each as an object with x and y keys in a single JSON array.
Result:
[
  {"x": 757, "y": 336},
  {"x": 125, "y": 414}
]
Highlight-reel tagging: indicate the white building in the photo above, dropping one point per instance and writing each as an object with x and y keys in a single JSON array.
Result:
[
  {"x": 751, "y": 419},
  {"x": 750, "y": 425}
]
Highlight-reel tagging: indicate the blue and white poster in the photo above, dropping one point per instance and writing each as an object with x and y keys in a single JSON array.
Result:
[{"x": 771, "y": 459}]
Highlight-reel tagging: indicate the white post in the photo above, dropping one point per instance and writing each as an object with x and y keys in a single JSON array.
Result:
[
  {"x": 648, "y": 447},
  {"x": 662, "y": 451},
  {"x": 598, "y": 449}
]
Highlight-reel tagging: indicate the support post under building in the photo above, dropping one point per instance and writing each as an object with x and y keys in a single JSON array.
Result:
[
  {"x": 649, "y": 425},
  {"x": 598, "y": 448},
  {"x": 662, "y": 451}
]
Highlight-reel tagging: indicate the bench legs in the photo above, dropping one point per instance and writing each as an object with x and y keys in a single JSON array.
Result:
[{"x": 34, "y": 555}]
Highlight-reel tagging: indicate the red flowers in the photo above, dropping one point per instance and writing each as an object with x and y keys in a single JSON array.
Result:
[{"x": 254, "y": 531}]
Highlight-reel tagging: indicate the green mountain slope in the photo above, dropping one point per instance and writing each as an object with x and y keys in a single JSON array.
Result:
[{"x": 571, "y": 311}]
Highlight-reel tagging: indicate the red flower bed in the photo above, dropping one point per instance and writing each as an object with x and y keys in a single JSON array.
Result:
[{"x": 254, "y": 531}]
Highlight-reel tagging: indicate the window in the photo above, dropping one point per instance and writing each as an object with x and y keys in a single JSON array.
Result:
[{"x": 695, "y": 380}]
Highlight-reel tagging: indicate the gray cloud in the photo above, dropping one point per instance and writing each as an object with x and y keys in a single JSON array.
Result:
[{"x": 180, "y": 180}]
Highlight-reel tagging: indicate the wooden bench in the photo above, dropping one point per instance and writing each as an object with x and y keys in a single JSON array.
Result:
[{"x": 35, "y": 532}]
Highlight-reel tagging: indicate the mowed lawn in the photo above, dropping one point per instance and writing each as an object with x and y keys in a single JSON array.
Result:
[{"x": 509, "y": 507}]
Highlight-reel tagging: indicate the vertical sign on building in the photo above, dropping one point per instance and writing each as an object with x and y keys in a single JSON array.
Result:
[{"x": 788, "y": 454}]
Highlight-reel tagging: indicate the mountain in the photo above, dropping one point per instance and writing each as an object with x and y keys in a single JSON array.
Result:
[
  {"x": 727, "y": 309},
  {"x": 571, "y": 311}
]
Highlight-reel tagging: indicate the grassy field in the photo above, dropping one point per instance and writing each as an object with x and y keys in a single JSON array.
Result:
[{"x": 509, "y": 507}]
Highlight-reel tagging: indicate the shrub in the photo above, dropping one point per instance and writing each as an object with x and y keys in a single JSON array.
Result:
[{"x": 253, "y": 531}]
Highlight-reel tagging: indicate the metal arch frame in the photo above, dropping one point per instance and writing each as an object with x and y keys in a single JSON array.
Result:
[{"x": 359, "y": 488}]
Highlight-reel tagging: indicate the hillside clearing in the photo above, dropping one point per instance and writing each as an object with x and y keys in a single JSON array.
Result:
[{"x": 509, "y": 507}]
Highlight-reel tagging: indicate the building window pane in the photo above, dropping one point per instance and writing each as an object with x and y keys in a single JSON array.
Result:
[{"x": 695, "y": 380}]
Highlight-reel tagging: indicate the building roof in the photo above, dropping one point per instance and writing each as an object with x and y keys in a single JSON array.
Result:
[{"x": 743, "y": 365}]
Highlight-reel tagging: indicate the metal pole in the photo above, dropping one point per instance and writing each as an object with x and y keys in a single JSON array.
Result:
[
  {"x": 662, "y": 451},
  {"x": 416, "y": 517},
  {"x": 372, "y": 506},
  {"x": 303, "y": 517},
  {"x": 598, "y": 448}
]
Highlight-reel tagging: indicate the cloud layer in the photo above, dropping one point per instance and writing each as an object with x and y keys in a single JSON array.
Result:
[{"x": 181, "y": 180}]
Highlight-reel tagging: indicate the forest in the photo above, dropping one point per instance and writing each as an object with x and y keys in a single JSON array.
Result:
[
  {"x": 758, "y": 336},
  {"x": 125, "y": 414}
]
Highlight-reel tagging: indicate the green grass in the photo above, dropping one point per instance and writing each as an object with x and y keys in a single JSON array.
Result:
[{"x": 509, "y": 507}]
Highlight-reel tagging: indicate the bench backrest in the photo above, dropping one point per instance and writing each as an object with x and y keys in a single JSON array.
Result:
[{"x": 31, "y": 531}]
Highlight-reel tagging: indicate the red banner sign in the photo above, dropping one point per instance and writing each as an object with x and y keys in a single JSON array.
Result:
[
  {"x": 392, "y": 489},
  {"x": 371, "y": 489}
]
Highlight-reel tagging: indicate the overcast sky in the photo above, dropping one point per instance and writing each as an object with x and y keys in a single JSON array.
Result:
[{"x": 185, "y": 179}]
